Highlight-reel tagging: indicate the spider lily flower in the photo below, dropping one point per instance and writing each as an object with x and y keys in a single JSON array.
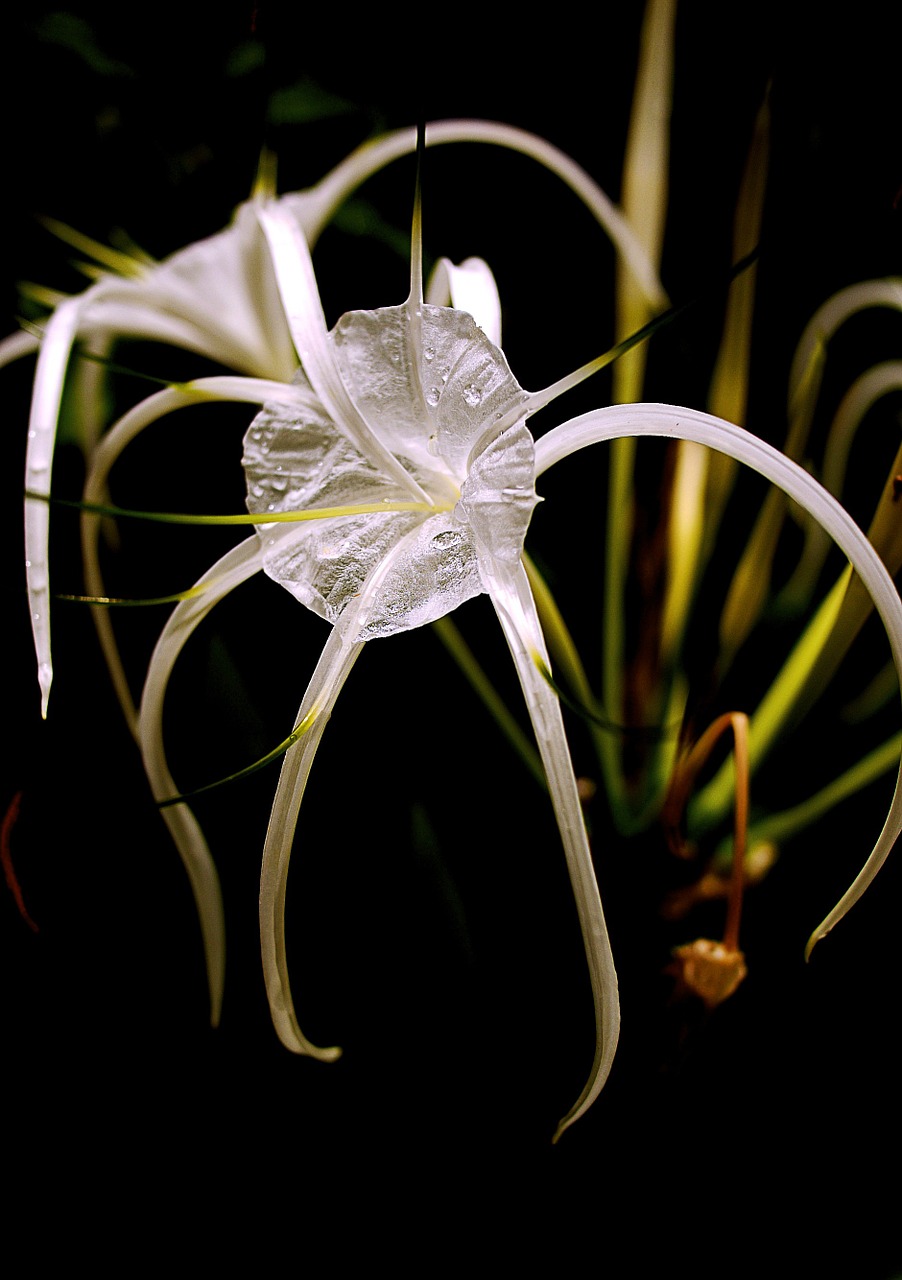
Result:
[
  {"x": 391, "y": 479},
  {"x": 218, "y": 298},
  {"x": 403, "y": 438},
  {"x": 215, "y": 298},
  {"x": 407, "y": 424}
]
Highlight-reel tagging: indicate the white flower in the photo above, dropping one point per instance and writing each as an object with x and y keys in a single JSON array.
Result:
[{"x": 390, "y": 478}]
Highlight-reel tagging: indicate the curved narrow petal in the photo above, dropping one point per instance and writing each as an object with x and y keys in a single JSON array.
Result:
[
  {"x": 45, "y": 406},
  {"x": 881, "y": 380},
  {"x": 691, "y": 424},
  {"x": 508, "y": 587},
  {"x": 18, "y": 344},
  {"x": 832, "y": 314},
  {"x": 239, "y": 564},
  {"x": 316, "y": 206},
  {"x": 332, "y": 670},
  {"x": 469, "y": 287},
  {"x": 114, "y": 311},
  {"x": 217, "y": 296},
  {"x": 108, "y": 450},
  {"x": 297, "y": 283},
  {"x": 338, "y": 657}
]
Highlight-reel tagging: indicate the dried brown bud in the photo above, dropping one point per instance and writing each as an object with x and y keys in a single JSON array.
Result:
[{"x": 708, "y": 970}]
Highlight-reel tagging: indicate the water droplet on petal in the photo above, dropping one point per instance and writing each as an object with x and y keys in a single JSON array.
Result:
[
  {"x": 472, "y": 394},
  {"x": 432, "y": 395},
  {"x": 429, "y": 353}
]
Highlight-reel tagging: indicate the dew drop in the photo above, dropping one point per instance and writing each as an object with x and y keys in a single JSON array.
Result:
[
  {"x": 447, "y": 539},
  {"x": 432, "y": 395},
  {"x": 429, "y": 353},
  {"x": 472, "y": 394}
]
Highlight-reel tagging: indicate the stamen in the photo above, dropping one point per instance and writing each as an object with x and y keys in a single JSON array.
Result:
[
  {"x": 255, "y": 518},
  {"x": 683, "y": 781},
  {"x": 123, "y": 264},
  {"x": 265, "y": 185},
  {"x": 539, "y": 399},
  {"x": 653, "y": 732},
  {"x": 115, "y": 601},
  {"x": 416, "y": 230},
  {"x": 277, "y": 752}
]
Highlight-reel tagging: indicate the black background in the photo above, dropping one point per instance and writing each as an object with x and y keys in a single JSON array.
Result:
[{"x": 431, "y": 927}]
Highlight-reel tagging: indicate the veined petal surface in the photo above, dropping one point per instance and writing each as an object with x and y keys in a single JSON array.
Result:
[{"x": 429, "y": 392}]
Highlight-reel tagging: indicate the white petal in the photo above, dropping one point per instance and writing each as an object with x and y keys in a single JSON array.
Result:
[
  {"x": 108, "y": 450},
  {"x": 333, "y": 669},
  {"x": 690, "y": 424},
  {"x": 16, "y": 345},
  {"x": 470, "y": 287},
  {"x": 45, "y": 406},
  {"x": 297, "y": 284},
  {"x": 509, "y": 589},
  {"x": 315, "y": 208},
  {"x": 301, "y": 460},
  {"x": 219, "y": 292},
  {"x": 234, "y": 568},
  {"x": 835, "y": 312},
  {"x": 341, "y": 652}
]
